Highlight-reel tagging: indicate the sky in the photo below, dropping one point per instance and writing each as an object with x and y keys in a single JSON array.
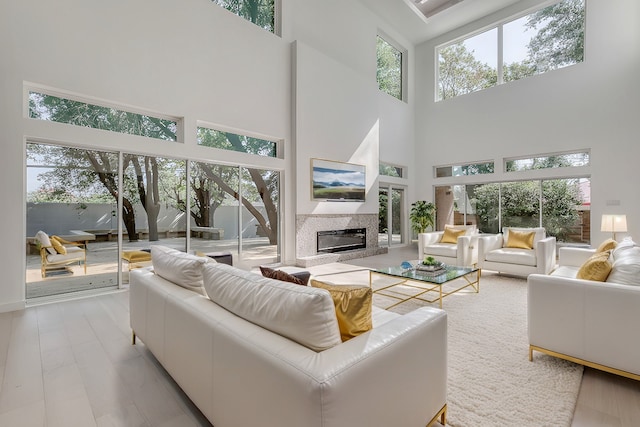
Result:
[{"x": 515, "y": 40}]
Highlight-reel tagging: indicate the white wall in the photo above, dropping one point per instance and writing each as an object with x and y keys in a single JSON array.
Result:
[
  {"x": 190, "y": 59},
  {"x": 593, "y": 105}
]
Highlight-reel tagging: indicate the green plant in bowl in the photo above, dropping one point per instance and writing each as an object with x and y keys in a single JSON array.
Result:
[{"x": 430, "y": 261}]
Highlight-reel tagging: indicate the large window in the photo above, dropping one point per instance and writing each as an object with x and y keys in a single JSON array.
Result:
[
  {"x": 230, "y": 141},
  {"x": 259, "y": 12},
  {"x": 562, "y": 206},
  {"x": 389, "y": 72},
  {"x": 542, "y": 41},
  {"x": 63, "y": 110}
]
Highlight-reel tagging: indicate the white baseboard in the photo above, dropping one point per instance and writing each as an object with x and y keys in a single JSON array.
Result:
[{"x": 12, "y": 306}]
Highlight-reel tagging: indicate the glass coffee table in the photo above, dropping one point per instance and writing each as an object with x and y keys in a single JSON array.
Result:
[{"x": 425, "y": 284}]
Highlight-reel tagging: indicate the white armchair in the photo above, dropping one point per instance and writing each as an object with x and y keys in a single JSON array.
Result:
[
  {"x": 495, "y": 254},
  {"x": 463, "y": 253}
]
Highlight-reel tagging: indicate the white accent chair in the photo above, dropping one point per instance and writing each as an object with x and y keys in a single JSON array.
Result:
[
  {"x": 493, "y": 253},
  {"x": 464, "y": 253}
]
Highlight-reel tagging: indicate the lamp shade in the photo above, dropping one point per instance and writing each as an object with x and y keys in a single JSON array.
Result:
[{"x": 614, "y": 223}]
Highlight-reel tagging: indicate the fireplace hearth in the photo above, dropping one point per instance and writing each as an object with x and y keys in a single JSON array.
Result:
[{"x": 341, "y": 240}]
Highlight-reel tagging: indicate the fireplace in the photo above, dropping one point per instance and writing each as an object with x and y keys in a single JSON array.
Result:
[{"x": 341, "y": 240}]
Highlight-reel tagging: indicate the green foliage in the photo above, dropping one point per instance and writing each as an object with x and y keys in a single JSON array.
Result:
[
  {"x": 389, "y": 72},
  {"x": 388, "y": 170},
  {"x": 460, "y": 72},
  {"x": 422, "y": 216},
  {"x": 520, "y": 205},
  {"x": 517, "y": 70},
  {"x": 259, "y": 12},
  {"x": 560, "y": 35},
  {"x": 48, "y": 107},
  {"x": 558, "y": 41},
  {"x": 244, "y": 144},
  {"x": 383, "y": 211}
]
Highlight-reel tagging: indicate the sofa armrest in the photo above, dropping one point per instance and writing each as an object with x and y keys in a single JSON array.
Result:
[
  {"x": 574, "y": 257},
  {"x": 589, "y": 320},
  {"x": 425, "y": 239},
  {"x": 467, "y": 250},
  {"x": 407, "y": 355},
  {"x": 546, "y": 255},
  {"x": 488, "y": 243}
]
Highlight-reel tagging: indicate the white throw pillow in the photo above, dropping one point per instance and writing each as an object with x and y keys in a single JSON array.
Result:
[
  {"x": 626, "y": 267},
  {"x": 303, "y": 314},
  {"x": 44, "y": 240},
  {"x": 181, "y": 268},
  {"x": 622, "y": 247}
]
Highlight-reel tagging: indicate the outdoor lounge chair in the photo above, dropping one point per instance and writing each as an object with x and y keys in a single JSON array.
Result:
[{"x": 53, "y": 258}]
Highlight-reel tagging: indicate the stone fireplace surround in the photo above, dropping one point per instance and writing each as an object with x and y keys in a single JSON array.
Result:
[{"x": 307, "y": 227}]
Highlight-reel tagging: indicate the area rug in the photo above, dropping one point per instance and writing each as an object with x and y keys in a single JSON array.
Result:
[{"x": 490, "y": 379}]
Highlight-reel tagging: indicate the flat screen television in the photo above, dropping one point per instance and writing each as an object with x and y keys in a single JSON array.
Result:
[{"x": 337, "y": 181}]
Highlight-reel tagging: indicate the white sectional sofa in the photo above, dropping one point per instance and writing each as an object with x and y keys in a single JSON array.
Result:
[
  {"x": 588, "y": 322},
  {"x": 239, "y": 373}
]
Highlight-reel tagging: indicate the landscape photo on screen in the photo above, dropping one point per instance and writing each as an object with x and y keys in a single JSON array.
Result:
[{"x": 338, "y": 181}]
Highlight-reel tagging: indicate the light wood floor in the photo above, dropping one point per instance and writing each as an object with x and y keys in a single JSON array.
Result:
[{"x": 72, "y": 364}]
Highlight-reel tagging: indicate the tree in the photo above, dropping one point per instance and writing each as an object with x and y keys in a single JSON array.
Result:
[
  {"x": 517, "y": 70},
  {"x": 559, "y": 40},
  {"x": 518, "y": 204},
  {"x": 389, "y": 71},
  {"x": 459, "y": 72},
  {"x": 260, "y": 12}
]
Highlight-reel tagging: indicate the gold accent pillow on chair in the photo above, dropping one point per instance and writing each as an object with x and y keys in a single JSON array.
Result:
[
  {"x": 520, "y": 239},
  {"x": 596, "y": 268},
  {"x": 451, "y": 235},
  {"x": 353, "y": 307}
]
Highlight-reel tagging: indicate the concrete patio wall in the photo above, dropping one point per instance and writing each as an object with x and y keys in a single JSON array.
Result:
[{"x": 61, "y": 218}]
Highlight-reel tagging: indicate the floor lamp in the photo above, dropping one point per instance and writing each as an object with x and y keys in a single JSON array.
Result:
[{"x": 614, "y": 224}]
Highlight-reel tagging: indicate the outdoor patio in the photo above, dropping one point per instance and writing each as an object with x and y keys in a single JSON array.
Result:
[{"x": 102, "y": 263}]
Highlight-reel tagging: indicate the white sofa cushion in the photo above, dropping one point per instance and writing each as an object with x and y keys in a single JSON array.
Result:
[
  {"x": 442, "y": 249},
  {"x": 181, "y": 268},
  {"x": 512, "y": 256},
  {"x": 303, "y": 314},
  {"x": 626, "y": 266},
  {"x": 73, "y": 252}
]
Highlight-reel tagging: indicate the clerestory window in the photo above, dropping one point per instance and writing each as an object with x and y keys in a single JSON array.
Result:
[
  {"x": 389, "y": 72},
  {"x": 545, "y": 40},
  {"x": 259, "y": 12}
]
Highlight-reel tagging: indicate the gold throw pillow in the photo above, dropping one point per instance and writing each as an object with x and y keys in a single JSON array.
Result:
[
  {"x": 353, "y": 307},
  {"x": 451, "y": 235},
  {"x": 57, "y": 245},
  {"x": 607, "y": 245},
  {"x": 520, "y": 239},
  {"x": 597, "y": 267}
]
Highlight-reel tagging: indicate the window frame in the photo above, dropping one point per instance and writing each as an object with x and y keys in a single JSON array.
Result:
[
  {"x": 546, "y": 155},
  {"x": 404, "y": 53},
  {"x": 278, "y": 144},
  {"x": 499, "y": 25},
  {"x": 29, "y": 88}
]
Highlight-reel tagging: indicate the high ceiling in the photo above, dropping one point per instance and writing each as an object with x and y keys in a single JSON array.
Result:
[{"x": 420, "y": 20}]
